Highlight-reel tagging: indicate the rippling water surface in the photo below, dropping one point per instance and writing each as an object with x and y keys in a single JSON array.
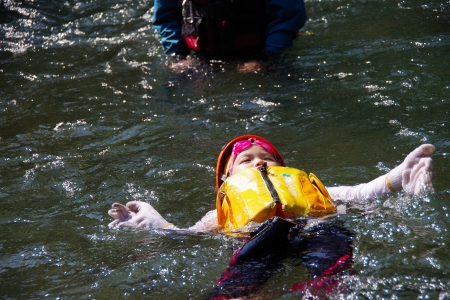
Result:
[{"x": 90, "y": 115}]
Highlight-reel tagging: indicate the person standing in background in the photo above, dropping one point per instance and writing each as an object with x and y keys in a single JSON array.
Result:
[{"x": 277, "y": 22}]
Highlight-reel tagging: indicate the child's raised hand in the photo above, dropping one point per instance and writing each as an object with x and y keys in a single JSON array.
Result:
[
  {"x": 418, "y": 170},
  {"x": 415, "y": 173},
  {"x": 136, "y": 214}
]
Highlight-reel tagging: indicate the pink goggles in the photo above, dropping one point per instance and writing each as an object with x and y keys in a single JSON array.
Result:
[{"x": 243, "y": 145}]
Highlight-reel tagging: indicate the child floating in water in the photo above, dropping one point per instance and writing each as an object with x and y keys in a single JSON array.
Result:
[
  {"x": 249, "y": 151},
  {"x": 255, "y": 188}
]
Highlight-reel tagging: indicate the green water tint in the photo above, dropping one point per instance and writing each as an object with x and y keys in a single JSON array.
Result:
[{"x": 91, "y": 115}]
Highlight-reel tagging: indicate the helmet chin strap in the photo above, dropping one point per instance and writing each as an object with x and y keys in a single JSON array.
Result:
[
  {"x": 263, "y": 166},
  {"x": 223, "y": 177}
]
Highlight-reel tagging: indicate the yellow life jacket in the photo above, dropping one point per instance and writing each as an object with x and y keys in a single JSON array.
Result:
[{"x": 257, "y": 194}]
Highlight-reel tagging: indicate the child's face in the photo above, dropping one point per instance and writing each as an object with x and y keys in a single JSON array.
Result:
[{"x": 253, "y": 157}]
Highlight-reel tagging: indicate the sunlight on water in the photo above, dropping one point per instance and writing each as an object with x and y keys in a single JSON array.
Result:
[{"x": 92, "y": 115}]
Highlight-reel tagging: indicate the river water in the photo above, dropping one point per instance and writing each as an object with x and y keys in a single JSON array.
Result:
[{"x": 90, "y": 115}]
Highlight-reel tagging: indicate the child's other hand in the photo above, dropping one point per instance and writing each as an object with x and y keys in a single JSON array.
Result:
[
  {"x": 414, "y": 174},
  {"x": 418, "y": 172},
  {"x": 135, "y": 214}
]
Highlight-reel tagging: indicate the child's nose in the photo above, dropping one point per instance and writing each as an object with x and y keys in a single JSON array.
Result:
[{"x": 259, "y": 162}]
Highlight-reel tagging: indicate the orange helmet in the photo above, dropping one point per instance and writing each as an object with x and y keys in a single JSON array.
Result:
[{"x": 224, "y": 162}]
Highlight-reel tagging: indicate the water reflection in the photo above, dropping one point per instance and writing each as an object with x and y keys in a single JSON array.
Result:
[{"x": 90, "y": 114}]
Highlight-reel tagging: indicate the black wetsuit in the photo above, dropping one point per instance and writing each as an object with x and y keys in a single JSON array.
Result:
[{"x": 323, "y": 249}]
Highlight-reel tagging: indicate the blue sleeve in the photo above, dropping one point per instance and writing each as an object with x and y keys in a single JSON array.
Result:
[
  {"x": 286, "y": 17},
  {"x": 167, "y": 21}
]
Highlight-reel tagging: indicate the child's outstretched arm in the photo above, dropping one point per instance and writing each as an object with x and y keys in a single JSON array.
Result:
[
  {"x": 413, "y": 176},
  {"x": 138, "y": 214}
]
